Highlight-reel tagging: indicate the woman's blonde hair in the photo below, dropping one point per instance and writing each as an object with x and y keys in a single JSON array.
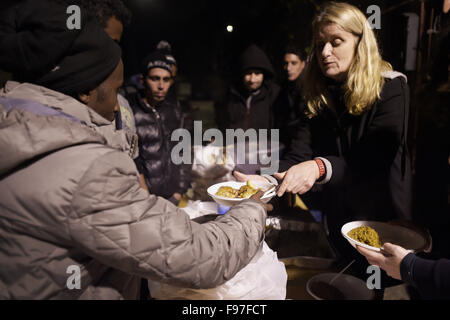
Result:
[{"x": 364, "y": 81}]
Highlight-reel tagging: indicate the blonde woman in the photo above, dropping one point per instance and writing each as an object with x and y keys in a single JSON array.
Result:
[{"x": 353, "y": 139}]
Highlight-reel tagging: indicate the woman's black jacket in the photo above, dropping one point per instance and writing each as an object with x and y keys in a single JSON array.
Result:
[{"x": 371, "y": 171}]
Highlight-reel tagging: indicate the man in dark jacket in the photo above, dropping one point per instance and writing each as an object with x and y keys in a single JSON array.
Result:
[
  {"x": 289, "y": 107},
  {"x": 156, "y": 118},
  {"x": 250, "y": 100}
]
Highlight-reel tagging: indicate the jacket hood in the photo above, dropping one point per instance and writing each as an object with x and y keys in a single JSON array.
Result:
[
  {"x": 254, "y": 57},
  {"x": 35, "y": 121}
]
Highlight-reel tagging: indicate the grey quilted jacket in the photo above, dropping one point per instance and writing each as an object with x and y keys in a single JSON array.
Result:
[{"x": 70, "y": 200}]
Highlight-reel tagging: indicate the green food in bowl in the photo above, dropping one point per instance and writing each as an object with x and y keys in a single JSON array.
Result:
[{"x": 366, "y": 235}]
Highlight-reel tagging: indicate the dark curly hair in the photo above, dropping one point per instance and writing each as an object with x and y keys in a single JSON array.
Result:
[
  {"x": 297, "y": 49},
  {"x": 103, "y": 10}
]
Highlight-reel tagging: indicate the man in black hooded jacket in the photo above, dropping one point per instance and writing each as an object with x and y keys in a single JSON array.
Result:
[{"x": 250, "y": 100}]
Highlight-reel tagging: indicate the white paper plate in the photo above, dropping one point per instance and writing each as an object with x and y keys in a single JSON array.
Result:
[
  {"x": 212, "y": 190},
  {"x": 395, "y": 234}
]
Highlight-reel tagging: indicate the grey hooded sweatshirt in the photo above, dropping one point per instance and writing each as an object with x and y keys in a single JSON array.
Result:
[{"x": 70, "y": 200}]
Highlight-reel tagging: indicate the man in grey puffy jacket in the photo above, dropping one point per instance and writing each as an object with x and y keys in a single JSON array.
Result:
[{"x": 74, "y": 221}]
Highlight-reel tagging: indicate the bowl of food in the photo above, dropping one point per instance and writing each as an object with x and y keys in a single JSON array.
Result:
[
  {"x": 233, "y": 192},
  {"x": 331, "y": 286},
  {"x": 373, "y": 234}
]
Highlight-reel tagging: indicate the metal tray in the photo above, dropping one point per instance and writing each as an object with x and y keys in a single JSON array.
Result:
[{"x": 298, "y": 243}]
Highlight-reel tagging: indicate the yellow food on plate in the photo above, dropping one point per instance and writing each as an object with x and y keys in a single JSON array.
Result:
[
  {"x": 246, "y": 191},
  {"x": 251, "y": 185},
  {"x": 227, "y": 192},
  {"x": 366, "y": 235}
]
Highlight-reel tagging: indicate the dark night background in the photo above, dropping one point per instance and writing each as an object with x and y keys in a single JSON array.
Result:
[{"x": 206, "y": 52}]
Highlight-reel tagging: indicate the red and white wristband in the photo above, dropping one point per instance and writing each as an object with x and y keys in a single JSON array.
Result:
[
  {"x": 321, "y": 166},
  {"x": 325, "y": 170}
]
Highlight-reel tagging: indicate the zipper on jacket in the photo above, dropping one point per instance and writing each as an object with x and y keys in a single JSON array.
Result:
[
  {"x": 158, "y": 120},
  {"x": 134, "y": 144},
  {"x": 153, "y": 110}
]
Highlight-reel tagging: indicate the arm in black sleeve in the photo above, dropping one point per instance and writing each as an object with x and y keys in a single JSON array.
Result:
[
  {"x": 431, "y": 278},
  {"x": 377, "y": 148},
  {"x": 184, "y": 178},
  {"x": 300, "y": 149},
  {"x": 183, "y": 171},
  {"x": 221, "y": 115},
  {"x": 139, "y": 164}
]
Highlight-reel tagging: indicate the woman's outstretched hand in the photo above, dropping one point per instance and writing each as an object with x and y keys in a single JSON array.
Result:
[{"x": 299, "y": 178}]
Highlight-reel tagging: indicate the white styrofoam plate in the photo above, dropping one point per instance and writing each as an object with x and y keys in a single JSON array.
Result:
[
  {"x": 212, "y": 190},
  {"x": 395, "y": 234}
]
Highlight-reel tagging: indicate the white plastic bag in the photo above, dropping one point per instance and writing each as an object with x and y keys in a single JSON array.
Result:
[
  {"x": 200, "y": 208},
  {"x": 264, "y": 278}
]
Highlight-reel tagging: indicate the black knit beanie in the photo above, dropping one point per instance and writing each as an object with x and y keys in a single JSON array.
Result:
[
  {"x": 156, "y": 59},
  {"x": 38, "y": 47}
]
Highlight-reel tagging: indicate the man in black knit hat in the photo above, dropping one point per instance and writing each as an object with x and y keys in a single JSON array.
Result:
[
  {"x": 156, "y": 118},
  {"x": 74, "y": 220},
  {"x": 113, "y": 16}
]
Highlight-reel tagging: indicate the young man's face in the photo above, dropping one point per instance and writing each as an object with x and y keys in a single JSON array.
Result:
[
  {"x": 114, "y": 28},
  {"x": 158, "y": 81},
  {"x": 103, "y": 99},
  {"x": 293, "y": 66},
  {"x": 253, "y": 79}
]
